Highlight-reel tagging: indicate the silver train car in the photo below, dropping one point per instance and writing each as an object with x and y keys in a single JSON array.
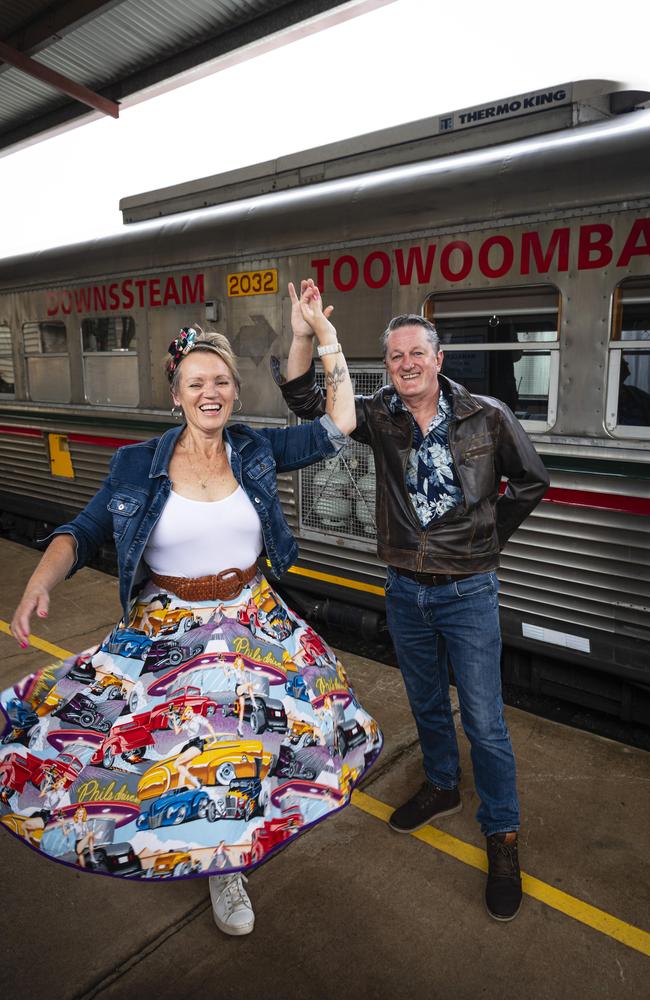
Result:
[{"x": 530, "y": 250}]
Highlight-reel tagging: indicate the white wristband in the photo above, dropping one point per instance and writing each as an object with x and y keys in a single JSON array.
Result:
[{"x": 328, "y": 349}]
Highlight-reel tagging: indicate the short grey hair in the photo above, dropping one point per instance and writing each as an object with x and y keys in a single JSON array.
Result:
[
  {"x": 216, "y": 343},
  {"x": 411, "y": 319}
]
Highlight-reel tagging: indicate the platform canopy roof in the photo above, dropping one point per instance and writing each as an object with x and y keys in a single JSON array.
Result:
[{"x": 63, "y": 61}]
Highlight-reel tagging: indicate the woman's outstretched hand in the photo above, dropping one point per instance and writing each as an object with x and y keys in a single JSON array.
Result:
[
  {"x": 33, "y": 600},
  {"x": 55, "y": 564},
  {"x": 307, "y": 311}
]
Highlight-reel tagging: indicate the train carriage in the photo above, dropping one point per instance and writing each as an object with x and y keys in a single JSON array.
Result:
[{"x": 532, "y": 256}]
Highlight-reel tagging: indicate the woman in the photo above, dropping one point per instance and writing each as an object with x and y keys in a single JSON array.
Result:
[
  {"x": 190, "y": 513},
  {"x": 191, "y": 725},
  {"x": 84, "y": 836}
]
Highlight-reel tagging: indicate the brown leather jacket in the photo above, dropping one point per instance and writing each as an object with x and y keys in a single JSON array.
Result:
[{"x": 487, "y": 443}]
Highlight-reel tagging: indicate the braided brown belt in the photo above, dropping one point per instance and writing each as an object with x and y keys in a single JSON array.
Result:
[{"x": 224, "y": 586}]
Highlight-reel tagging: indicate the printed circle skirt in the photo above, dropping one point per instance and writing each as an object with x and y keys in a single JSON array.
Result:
[{"x": 197, "y": 739}]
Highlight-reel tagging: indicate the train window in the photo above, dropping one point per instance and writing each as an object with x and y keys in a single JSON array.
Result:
[
  {"x": 45, "y": 346},
  {"x": 110, "y": 360},
  {"x": 478, "y": 331},
  {"x": 628, "y": 390},
  {"x": 337, "y": 496},
  {"x": 7, "y": 382}
]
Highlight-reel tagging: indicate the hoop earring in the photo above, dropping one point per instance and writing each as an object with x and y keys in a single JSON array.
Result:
[
  {"x": 177, "y": 412},
  {"x": 238, "y": 400}
]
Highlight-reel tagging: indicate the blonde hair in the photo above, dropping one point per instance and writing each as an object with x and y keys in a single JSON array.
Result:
[{"x": 206, "y": 340}]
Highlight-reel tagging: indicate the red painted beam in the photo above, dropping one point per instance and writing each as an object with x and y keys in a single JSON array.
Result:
[{"x": 59, "y": 82}]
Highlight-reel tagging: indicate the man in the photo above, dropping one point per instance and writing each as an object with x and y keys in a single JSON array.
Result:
[{"x": 440, "y": 454}]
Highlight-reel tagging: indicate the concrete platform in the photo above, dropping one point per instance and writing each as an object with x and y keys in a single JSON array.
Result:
[{"x": 351, "y": 909}]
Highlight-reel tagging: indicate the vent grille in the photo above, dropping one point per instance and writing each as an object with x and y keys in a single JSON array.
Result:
[
  {"x": 573, "y": 565},
  {"x": 590, "y": 567},
  {"x": 337, "y": 496}
]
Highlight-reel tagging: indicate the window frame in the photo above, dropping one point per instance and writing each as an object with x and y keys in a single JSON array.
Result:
[
  {"x": 9, "y": 354},
  {"x": 615, "y": 349},
  {"x": 119, "y": 352},
  {"x": 27, "y": 356},
  {"x": 550, "y": 347}
]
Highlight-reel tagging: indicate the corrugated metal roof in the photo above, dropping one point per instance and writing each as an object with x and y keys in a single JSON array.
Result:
[
  {"x": 15, "y": 13},
  {"x": 120, "y": 47}
]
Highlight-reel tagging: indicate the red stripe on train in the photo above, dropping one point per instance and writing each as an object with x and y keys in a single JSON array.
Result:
[
  {"x": 22, "y": 432},
  {"x": 601, "y": 501},
  {"x": 100, "y": 442},
  {"x": 597, "y": 501}
]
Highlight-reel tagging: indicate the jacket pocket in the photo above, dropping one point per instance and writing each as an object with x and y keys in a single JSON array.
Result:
[
  {"x": 478, "y": 446},
  {"x": 261, "y": 472},
  {"x": 122, "y": 508}
]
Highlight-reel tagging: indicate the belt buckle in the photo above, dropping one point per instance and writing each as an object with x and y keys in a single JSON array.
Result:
[{"x": 233, "y": 582}]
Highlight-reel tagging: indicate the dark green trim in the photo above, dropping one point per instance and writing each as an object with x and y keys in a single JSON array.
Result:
[{"x": 598, "y": 466}]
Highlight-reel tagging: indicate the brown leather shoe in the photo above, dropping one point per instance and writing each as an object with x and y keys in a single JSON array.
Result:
[{"x": 428, "y": 802}]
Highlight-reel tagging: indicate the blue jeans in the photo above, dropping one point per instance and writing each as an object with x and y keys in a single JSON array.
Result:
[{"x": 463, "y": 619}]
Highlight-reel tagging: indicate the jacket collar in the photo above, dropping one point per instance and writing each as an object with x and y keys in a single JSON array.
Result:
[
  {"x": 463, "y": 404},
  {"x": 396, "y": 404},
  {"x": 163, "y": 452},
  {"x": 166, "y": 443},
  {"x": 238, "y": 437}
]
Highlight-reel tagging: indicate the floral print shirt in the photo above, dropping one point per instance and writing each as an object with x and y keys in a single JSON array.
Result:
[{"x": 431, "y": 477}]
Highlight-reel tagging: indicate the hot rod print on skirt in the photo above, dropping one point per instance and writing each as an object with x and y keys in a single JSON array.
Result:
[{"x": 196, "y": 740}]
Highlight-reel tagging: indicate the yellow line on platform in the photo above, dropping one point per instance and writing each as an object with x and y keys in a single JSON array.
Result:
[
  {"x": 340, "y": 581},
  {"x": 43, "y": 644},
  {"x": 599, "y": 920}
]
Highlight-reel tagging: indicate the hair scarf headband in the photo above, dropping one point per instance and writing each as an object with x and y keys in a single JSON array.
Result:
[{"x": 179, "y": 347}]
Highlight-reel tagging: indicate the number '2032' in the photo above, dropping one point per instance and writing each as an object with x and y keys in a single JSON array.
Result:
[{"x": 253, "y": 282}]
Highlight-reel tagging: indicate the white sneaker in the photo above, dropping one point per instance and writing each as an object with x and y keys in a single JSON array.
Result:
[{"x": 231, "y": 907}]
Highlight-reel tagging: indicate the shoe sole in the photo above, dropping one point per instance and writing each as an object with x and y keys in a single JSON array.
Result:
[
  {"x": 412, "y": 829},
  {"x": 500, "y": 919},
  {"x": 234, "y": 931}
]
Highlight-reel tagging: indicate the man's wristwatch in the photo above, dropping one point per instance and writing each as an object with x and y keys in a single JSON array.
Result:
[{"x": 328, "y": 349}]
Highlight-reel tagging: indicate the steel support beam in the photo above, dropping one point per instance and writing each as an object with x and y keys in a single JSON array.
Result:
[
  {"x": 59, "y": 82},
  {"x": 57, "y": 22}
]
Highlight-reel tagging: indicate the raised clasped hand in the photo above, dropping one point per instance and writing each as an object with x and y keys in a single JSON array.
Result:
[{"x": 307, "y": 314}]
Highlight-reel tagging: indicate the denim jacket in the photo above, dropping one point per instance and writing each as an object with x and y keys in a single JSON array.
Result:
[{"x": 132, "y": 496}]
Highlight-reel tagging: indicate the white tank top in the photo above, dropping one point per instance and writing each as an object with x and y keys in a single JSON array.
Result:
[{"x": 198, "y": 538}]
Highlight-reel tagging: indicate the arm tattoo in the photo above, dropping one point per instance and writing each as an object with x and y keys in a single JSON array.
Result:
[{"x": 335, "y": 378}]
